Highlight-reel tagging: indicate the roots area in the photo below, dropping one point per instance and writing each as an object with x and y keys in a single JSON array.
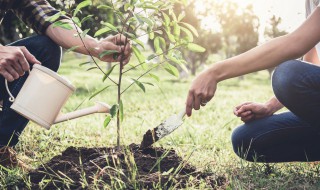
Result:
[{"x": 128, "y": 168}]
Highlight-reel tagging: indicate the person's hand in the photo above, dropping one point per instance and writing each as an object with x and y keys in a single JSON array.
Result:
[
  {"x": 201, "y": 91},
  {"x": 14, "y": 61},
  {"x": 250, "y": 111},
  {"x": 116, "y": 43}
]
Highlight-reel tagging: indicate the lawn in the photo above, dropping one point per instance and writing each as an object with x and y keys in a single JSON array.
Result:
[{"x": 203, "y": 139}]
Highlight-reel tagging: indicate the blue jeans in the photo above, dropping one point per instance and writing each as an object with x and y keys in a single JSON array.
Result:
[
  {"x": 11, "y": 123},
  {"x": 289, "y": 136}
]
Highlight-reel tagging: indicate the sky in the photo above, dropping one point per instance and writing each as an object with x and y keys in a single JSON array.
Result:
[{"x": 292, "y": 13}]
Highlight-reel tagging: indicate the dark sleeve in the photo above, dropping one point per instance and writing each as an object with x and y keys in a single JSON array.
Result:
[{"x": 35, "y": 14}]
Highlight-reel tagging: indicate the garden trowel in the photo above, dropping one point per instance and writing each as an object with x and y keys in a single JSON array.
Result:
[{"x": 162, "y": 130}]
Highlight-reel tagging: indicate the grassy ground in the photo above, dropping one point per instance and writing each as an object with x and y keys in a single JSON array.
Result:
[{"x": 203, "y": 140}]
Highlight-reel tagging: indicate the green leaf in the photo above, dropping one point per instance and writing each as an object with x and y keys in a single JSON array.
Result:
[
  {"x": 113, "y": 28},
  {"x": 84, "y": 33},
  {"x": 54, "y": 17},
  {"x": 107, "y": 52},
  {"x": 166, "y": 19},
  {"x": 155, "y": 77},
  {"x": 195, "y": 47},
  {"x": 148, "y": 83},
  {"x": 121, "y": 110},
  {"x": 138, "y": 54},
  {"x": 180, "y": 17},
  {"x": 98, "y": 92},
  {"x": 152, "y": 56},
  {"x": 104, "y": 7},
  {"x": 176, "y": 30},
  {"x": 127, "y": 6},
  {"x": 190, "y": 27},
  {"x": 91, "y": 68},
  {"x": 102, "y": 31},
  {"x": 61, "y": 24},
  {"x": 84, "y": 63},
  {"x": 72, "y": 48},
  {"x": 76, "y": 20},
  {"x": 151, "y": 35},
  {"x": 156, "y": 44},
  {"x": 139, "y": 42},
  {"x": 108, "y": 73},
  {"x": 86, "y": 18},
  {"x": 172, "y": 70},
  {"x": 171, "y": 37},
  {"x": 81, "y": 6},
  {"x": 140, "y": 85},
  {"x": 189, "y": 35},
  {"x": 113, "y": 110},
  {"x": 106, "y": 121}
]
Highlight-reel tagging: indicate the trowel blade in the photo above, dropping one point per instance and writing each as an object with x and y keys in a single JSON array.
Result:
[{"x": 162, "y": 130}]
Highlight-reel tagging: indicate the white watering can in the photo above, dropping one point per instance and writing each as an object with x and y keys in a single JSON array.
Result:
[{"x": 43, "y": 95}]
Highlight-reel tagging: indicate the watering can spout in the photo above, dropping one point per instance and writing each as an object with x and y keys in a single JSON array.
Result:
[{"x": 99, "y": 107}]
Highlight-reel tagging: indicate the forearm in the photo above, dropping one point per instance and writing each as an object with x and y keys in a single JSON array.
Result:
[
  {"x": 312, "y": 56},
  {"x": 273, "y": 105},
  {"x": 70, "y": 38},
  {"x": 262, "y": 57}
]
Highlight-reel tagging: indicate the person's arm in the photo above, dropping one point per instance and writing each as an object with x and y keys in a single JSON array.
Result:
[
  {"x": 312, "y": 56},
  {"x": 37, "y": 14},
  {"x": 67, "y": 39},
  {"x": 268, "y": 55}
]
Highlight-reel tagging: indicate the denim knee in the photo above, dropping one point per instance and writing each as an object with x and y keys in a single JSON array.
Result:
[{"x": 241, "y": 143}]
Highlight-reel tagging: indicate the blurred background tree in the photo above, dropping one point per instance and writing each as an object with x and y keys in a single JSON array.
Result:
[{"x": 224, "y": 28}]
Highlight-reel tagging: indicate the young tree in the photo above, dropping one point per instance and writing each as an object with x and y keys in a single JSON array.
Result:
[{"x": 135, "y": 19}]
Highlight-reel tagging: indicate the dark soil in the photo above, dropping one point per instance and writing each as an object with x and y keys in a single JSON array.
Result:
[
  {"x": 149, "y": 138},
  {"x": 129, "y": 168}
]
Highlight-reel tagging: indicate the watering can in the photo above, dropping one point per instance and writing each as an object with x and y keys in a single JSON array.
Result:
[{"x": 43, "y": 95}]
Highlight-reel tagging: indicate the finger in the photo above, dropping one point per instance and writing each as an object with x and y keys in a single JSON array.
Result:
[
  {"x": 239, "y": 106},
  {"x": 196, "y": 102},
  {"x": 12, "y": 72},
  {"x": 244, "y": 109},
  {"x": 120, "y": 39},
  {"x": 7, "y": 76},
  {"x": 128, "y": 50},
  {"x": 126, "y": 61},
  {"x": 22, "y": 61},
  {"x": 245, "y": 114},
  {"x": 189, "y": 103},
  {"x": 16, "y": 66},
  {"x": 248, "y": 118},
  {"x": 29, "y": 56},
  {"x": 235, "y": 112}
]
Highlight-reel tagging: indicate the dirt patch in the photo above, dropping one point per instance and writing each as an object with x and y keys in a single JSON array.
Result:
[{"x": 129, "y": 168}]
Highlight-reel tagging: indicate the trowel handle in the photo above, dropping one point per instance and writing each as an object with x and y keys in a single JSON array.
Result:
[{"x": 182, "y": 113}]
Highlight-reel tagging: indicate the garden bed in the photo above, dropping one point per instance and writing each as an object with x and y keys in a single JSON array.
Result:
[{"x": 128, "y": 168}]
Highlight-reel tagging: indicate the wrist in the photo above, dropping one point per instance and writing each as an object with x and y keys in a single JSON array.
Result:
[
  {"x": 273, "y": 105},
  {"x": 216, "y": 73},
  {"x": 93, "y": 47}
]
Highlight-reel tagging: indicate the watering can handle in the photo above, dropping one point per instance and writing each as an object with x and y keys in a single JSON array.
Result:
[{"x": 11, "y": 98}]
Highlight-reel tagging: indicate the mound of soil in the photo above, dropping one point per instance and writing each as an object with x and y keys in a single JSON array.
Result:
[{"x": 129, "y": 168}]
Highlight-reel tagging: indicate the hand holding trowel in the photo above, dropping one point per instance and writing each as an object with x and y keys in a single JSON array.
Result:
[{"x": 162, "y": 130}]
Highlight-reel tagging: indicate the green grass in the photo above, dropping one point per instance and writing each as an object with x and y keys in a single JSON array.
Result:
[{"x": 204, "y": 138}]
